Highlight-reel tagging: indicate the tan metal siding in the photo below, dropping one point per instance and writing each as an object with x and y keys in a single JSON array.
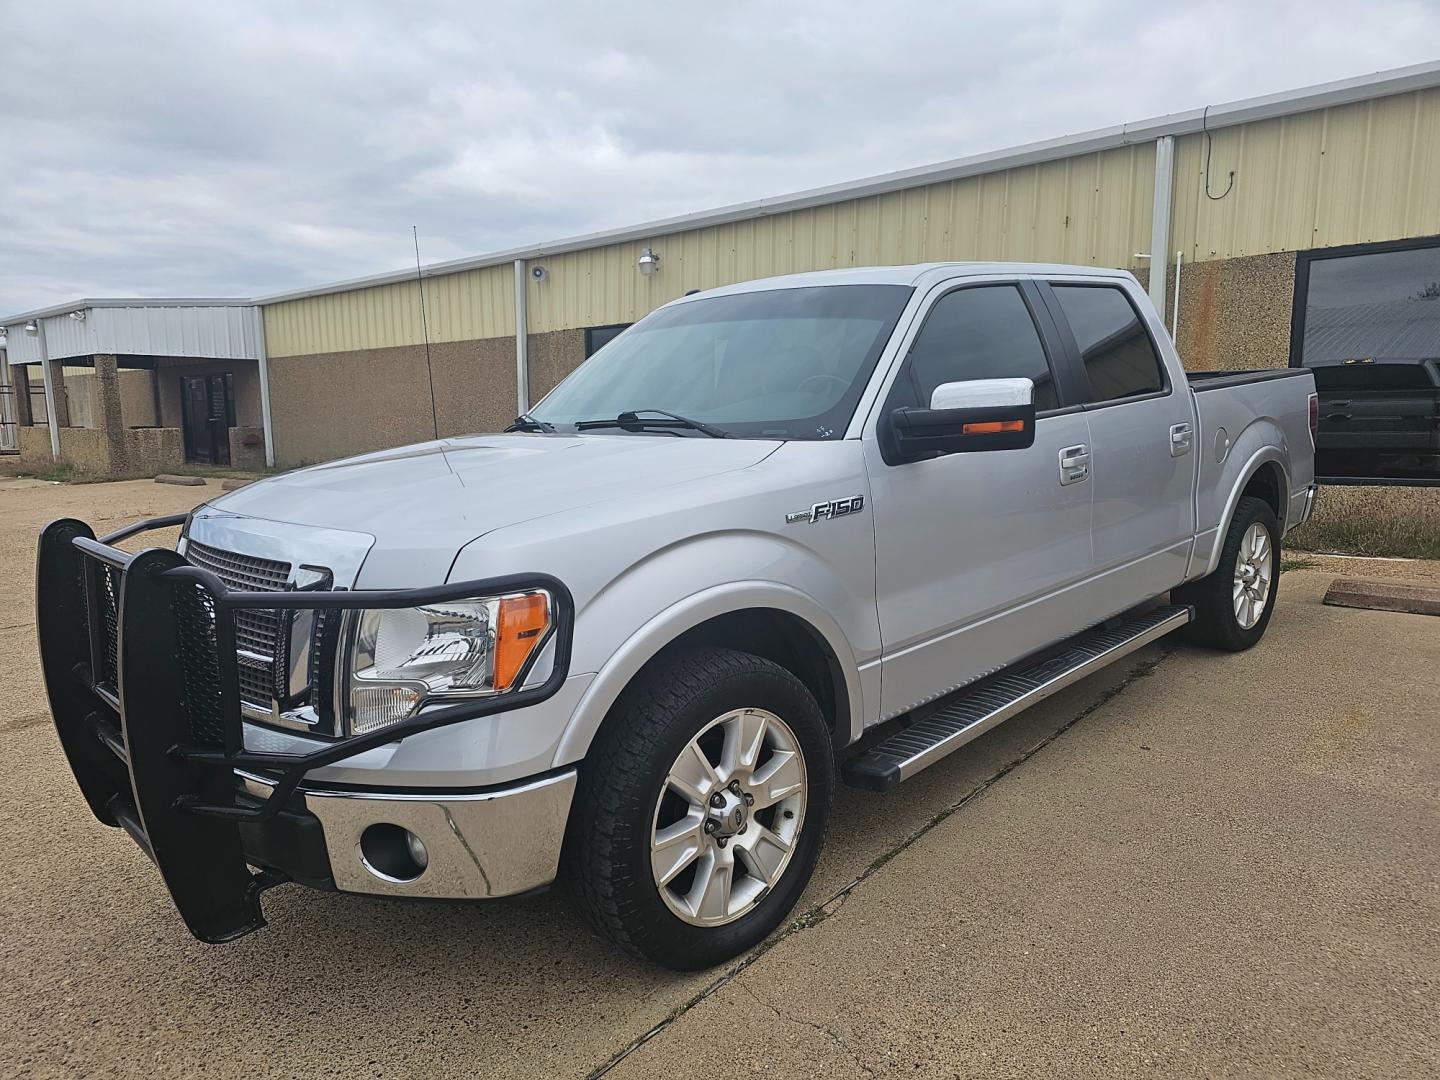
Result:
[
  {"x": 1090, "y": 209},
  {"x": 458, "y": 307},
  {"x": 1353, "y": 173},
  {"x": 1093, "y": 209},
  {"x": 1358, "y": 173}
]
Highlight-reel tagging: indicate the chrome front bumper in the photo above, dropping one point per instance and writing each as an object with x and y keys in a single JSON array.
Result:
[{"x": 493, "y": 843}]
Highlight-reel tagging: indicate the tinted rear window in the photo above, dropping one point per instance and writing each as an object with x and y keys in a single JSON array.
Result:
[{"x": 1117, "y": 352}]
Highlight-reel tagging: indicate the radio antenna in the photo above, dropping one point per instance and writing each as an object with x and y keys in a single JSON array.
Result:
[{"x": 425, "y": 330}]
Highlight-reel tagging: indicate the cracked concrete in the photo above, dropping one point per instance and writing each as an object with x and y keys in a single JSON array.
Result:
[
  {"x": 1230, "y": 869},
  {"x": 1230, "y": 866}
]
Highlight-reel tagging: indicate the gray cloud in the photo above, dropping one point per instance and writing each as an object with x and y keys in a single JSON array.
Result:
[{"x": 186, "y": 149}]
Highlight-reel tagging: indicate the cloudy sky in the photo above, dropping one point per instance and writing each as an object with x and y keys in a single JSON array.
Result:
[{"x": 211, "y": 149}]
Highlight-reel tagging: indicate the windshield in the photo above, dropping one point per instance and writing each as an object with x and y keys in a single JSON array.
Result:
[{"x": 783, "y": 364}]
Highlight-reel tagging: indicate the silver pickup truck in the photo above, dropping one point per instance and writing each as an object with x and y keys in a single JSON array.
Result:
[{"x": 631, "y": 642}]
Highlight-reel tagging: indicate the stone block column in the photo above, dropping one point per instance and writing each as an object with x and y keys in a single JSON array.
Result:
[
  {"x": 108, "y": 415},
  {"x": 20, "y": 383},
  {"x": 55, "y": 375}
]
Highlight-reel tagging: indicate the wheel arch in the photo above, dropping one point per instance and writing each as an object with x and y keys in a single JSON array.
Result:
[
  {"x": 1264, "y": 476},
  {"x": 768, "y": 619}
]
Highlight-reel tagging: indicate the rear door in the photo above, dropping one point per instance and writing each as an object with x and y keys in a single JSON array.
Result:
[
  {"x": 1143, "y": 443},
  {"x": 969, "y": 546}
]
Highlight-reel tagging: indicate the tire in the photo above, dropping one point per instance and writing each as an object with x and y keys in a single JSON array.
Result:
[
  {"x": 628, "y": 799},
  {"x": 1217, "y": 623}
]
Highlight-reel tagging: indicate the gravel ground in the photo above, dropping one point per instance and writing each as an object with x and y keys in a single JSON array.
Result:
[{"x": 1190, "y": 864}]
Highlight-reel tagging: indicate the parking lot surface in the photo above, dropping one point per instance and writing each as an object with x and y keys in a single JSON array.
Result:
[{"x": 1193, "y": 864}]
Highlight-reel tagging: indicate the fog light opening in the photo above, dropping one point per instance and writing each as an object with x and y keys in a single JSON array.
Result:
[{"x": 392, "y": 853}]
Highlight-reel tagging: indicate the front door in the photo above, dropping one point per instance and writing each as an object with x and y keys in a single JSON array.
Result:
[
  {"x": 208, "y": 414},
  {"x": 969, "y": 545}
]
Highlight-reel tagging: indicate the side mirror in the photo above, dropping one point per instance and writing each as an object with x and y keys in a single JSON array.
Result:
[{"x": 963, "y": 417}]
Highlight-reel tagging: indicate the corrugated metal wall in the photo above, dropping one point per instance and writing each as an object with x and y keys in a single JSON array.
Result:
[
  {"x": 220, "y": 332},
  {"x": 458, "y": 307},
  {"x": 1089, "y": 209},
  {"x": 1352, "y": 174},
  {"x": 1093, "y": 209},
  {"x": 1349, "y": 174}
]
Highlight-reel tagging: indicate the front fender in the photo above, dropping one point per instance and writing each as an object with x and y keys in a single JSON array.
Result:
[{"x": 699, "y": 607}]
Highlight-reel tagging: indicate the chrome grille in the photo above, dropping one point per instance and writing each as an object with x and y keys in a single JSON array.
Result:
[{"x": 257, "y": 631}]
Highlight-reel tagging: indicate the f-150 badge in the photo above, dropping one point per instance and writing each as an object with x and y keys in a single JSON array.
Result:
[{"x": 827, "y": 511}]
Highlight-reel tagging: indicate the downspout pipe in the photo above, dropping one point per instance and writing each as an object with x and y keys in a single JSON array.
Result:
[
  {"x": 262, "y": 358},
  {"x": 1175, "y": 313},
  {"x": 1160, "y": 220},
  {"x": 522, "y": 358}
]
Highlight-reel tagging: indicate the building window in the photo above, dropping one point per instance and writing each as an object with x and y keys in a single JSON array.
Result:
[
  {"x": 1367, "y": 323},
  {"x": 598, "y": 336},
  {"x": 1116, "y": 349}
]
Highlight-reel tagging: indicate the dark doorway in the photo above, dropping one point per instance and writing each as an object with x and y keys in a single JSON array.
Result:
[{"x": 208, "y": 413}]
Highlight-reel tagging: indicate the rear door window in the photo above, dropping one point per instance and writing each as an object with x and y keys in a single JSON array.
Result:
[{"x": 1115, "y": 348}]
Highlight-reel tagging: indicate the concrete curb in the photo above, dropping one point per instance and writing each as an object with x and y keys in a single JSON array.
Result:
[
  {"x": 183, "y": 481},
  {"x": 1384, "y": 596}
]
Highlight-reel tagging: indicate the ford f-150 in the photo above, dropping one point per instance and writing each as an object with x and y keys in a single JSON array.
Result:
[{"x": 631, "y": 642}]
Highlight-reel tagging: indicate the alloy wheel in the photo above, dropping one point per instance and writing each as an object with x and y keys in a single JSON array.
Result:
[
  {"x": 728, "y": 817},
  {"x": 1254, "y": 572}
]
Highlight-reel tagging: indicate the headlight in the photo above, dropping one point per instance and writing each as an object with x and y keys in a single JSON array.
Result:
[{"x": 401, "y": 659}]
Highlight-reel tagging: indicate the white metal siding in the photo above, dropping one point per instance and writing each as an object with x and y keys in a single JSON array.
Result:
[{"x": 219, "y": 332}]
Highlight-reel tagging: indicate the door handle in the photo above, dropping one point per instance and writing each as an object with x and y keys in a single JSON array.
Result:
[
  {"x": 1180, "y": 438},
  {"x": 1074, "y": 465}
]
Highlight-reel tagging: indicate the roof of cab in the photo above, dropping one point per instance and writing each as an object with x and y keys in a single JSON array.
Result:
[{"x": 914, "y": 275}]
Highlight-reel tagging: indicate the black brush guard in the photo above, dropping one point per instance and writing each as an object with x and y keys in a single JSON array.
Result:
[{"x": 140, "y": 667}]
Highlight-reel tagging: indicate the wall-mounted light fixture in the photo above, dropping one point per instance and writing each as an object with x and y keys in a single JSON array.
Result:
[
  {"x": 78, "y": 316},
  {"x": 649, "y": 262},
  {"x": 31, "y": 328}
]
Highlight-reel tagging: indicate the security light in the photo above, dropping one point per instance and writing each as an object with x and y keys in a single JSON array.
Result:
[
  {"x": 649, "y": 262},
  {"x": 31, "y": 328},
  {"x": 78, "y": 316}
]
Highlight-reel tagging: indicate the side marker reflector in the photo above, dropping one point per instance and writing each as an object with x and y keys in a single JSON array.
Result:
[{"x": 993, "y": 427}]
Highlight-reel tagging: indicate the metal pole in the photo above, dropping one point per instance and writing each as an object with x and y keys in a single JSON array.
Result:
[
  {"x": 1175, "y": 314},
  {"x": 1160, "y": 219},
  {"x": 522, "y": 359},
  {"x": 50, "y": 414},
  {"x": 262, "y": 358}
]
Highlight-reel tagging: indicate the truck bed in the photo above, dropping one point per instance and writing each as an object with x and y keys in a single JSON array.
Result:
[{"x": 1200, "y": 381}]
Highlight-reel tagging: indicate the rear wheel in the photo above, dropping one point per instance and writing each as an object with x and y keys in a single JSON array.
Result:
[
  {"x": 1233, "y": 604},
  {"x": 702, "y": 808}
]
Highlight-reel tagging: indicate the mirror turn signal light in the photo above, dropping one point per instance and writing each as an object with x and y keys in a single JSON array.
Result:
[
  {"x": 520, "y": 627},
  {"x": 992, "y": 427}
]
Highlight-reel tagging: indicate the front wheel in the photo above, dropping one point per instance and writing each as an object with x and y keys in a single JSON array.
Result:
[
  {"x": 702, "y": 808},
  {"x": 1233, "y": 603}
]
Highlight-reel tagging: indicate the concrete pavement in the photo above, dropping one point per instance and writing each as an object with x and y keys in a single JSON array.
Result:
[{"x": 1226, "y": 865}]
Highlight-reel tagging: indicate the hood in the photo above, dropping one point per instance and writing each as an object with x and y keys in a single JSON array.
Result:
[{"x": 437, "y": 497}]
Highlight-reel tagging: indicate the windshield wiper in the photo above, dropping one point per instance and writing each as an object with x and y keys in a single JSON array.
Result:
[
  {"x": 631, "y": 418},
  {"x": 526, "y": 422}
]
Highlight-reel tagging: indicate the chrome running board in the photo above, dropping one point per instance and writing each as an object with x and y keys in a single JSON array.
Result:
[{"x": 971, "y": 713}]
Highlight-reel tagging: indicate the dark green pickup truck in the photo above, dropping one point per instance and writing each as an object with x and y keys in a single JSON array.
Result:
[{"x": 1379, "y": 417}]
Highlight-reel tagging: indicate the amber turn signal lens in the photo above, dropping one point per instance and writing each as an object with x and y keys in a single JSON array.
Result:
[
  {"x": 520, "y": 627},
  {"x": 992, "y": 427}
]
